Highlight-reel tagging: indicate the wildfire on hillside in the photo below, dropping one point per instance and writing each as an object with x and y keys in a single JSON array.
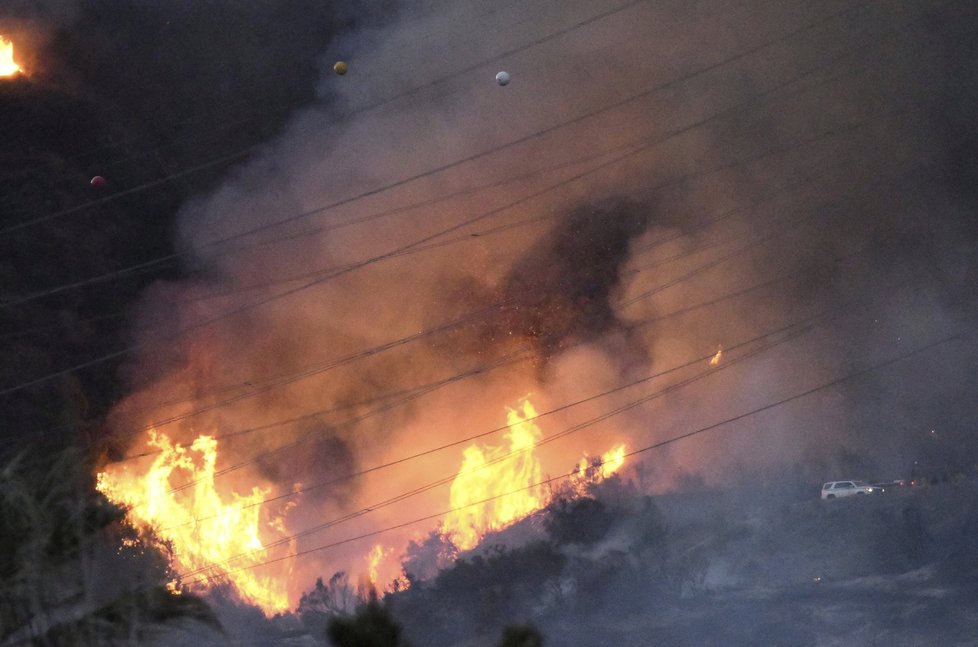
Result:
[
  {"x": 511, "y": 475},
  {"x": 497, "y": 486},
  {"x": 217, "y": 534},
  {"x": 594, "y": 470},
  {"x": 214, "y": 533}
]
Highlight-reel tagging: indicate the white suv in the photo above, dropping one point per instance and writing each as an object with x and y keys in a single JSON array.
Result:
[{"x": 835, "y": 489}]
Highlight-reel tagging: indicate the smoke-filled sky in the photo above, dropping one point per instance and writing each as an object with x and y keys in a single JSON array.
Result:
[{"x": 792, "y": 182}]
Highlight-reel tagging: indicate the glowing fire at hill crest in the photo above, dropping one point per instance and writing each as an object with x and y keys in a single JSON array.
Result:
[
  {"x": 384, "y": 573},
  {"x": 494, "y": 472},
  {"x": 220, "y": 536},
  {"x": 594, "y": 470},
  {"x": 204, "y": 531},
  {"x": 8, "y": 67},
  {"x": 498, "y": 486}
]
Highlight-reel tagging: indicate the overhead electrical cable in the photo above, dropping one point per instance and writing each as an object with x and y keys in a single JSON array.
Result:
[
  {"x": 358, "y": 111},
  {"x": 511, "y": 359},
  {"x": 459, "y": 162},
  {"x": 393, "y": 253},
  {"x": 885, "y": 363},
  {"x": 546, "y": 440},
  {"x": 476, "y": 316},
  {"x": 790, "y": 331},
  {"x": 291, "y": 377}
]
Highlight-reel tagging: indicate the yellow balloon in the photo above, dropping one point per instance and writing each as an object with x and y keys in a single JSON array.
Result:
[{"x": 340, "y": 68}]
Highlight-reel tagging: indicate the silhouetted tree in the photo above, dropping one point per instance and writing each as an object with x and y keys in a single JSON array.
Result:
[
  {"x": 326, "y": 601},
  {"x": 426, "y": 558},
  {"x": 371, "y": 626},
  {"x": 71, "y": 572},
  {"x": 578, "y": 521},
  {"x": 521, "y": 636}
]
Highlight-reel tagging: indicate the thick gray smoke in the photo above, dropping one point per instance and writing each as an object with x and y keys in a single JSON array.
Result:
[
  {"x": 559, "y": 294},
  {"x": 654, "y": 185}
]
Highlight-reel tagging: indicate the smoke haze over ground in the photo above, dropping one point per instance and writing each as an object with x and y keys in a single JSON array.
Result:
[
  {"x": 821, "y": 150},
  {"x": 421, "y": 248}
]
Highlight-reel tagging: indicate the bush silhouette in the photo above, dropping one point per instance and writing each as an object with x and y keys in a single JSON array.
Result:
[
  {"x": 371, "y": 626},
  {"x": 374, "y": 626},
  {"x": 521, "y": 636}
]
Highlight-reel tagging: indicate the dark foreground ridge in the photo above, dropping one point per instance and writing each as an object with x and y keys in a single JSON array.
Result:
[{"x": 718, "y": 568}]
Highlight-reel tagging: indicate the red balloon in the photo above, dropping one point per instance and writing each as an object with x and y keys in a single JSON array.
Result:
[{"x": 98, "y": 182}]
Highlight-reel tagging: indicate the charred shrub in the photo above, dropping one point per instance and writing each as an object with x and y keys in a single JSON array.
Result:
[
  {"x": 424, "y": 559},
  {"x": 578, "y": 521},
  {"x": 491, "y": 590},
  {"x": 521, "y": 636},
  {"x": 326, "y": 601},
  {"x": 372, "y": 626}
]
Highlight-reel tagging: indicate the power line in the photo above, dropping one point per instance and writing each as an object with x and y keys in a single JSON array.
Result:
[
  {"x": 315, "y": 370},
  {"x": 480, "y": 155},
  {"x": 551, "y": 438},
  {"x": 721, "y": 217},
  {"x": 319, "y": 279},
  {"x": 485, "y": 368},
  {"x": 224, "y": 159},
  {"x": 791, "y": 330},
  {"x": 702, "y": 268},
  {"x": 397, "y": 343},
  {"x": 418, "y": 243},
  {"x": 243, "y": 153},
  {"x": 514, "y": 358},
  {"x": 367, "y": 107},
  {"x": 169, "y": 259},
  {"x": 684, "y": 255},
  {"x": 823, "y": 386},
  {"x": 251, "y": 392}
]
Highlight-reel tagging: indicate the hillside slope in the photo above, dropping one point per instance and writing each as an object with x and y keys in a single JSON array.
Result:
[{"x": 723, "y": 568}]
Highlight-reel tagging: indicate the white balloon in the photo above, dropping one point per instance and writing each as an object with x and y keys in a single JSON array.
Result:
[{"x": 502, "y": 78}]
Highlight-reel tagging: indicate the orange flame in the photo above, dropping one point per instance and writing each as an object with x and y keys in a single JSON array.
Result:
[
  {"x": 203, "y": 530},
  {"x": 596, "y": 470},
  {"x": 485, "y": 474},
  {"x": 382, "y": 576},
  {"x": 498, "y": 486},
  {"x": 716, "y": 358},
  {"x": 374, "y": 558},
  {"x": 8, "y": 67}
]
